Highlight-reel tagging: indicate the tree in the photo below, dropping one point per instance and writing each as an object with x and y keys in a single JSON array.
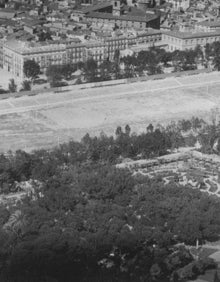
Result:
[
  {"x": 188, "y": 227},
  {"x": 165, "y": 57},
  {"x": 216, "y": 62},
  {"x": 208, "y": 53},
  {"x": 54, "y": 74},
  {"x": 116, "y": 64},
  {"x": 80, "y": 65},
  {"x": 150, "y": 128},
  {"x": 129, "y": 63},
  {"x": 127, "y": 130},
  {"x": 118, "y": 131},
  {"x": 68, "y": 69},
  {"x": 12, "y": 86},
  {"x": 105, "y": 70},
  {"x": 199, "y": 54},
  {"x": 31, "y": 69},
  {"x": 175, "y": 135},
  {"x": 3, "y": 91},
  {"x": 26, "y": 85},
  {"x": 90, "y": 70}
]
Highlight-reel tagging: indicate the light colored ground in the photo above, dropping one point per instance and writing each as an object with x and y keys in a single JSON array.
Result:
[
  {"x": 49, "y": 119},
  {"x": 5, "y": 78}
]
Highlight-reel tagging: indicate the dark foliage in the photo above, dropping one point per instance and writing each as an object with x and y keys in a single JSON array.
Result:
[
  {"x": 93, "y": 222},
  {"x": 31, "y": 69}
]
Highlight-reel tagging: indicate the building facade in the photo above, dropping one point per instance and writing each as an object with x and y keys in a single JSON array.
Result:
[
  {"x": 182, "y": 41},
  {"x": 123, "y": 16},
  {"x": 151, "y": 20},
  {"x": 207, "y": 26},
  {"x": 15, "y": 53}
]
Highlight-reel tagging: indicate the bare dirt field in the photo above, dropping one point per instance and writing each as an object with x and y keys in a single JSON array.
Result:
[{"x": 48, "y": 119}]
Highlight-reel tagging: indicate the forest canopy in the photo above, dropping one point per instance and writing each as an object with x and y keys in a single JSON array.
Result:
[{"x": 90, "y": 221}]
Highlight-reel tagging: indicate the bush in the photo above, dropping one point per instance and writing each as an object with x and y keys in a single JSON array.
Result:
[
  {"x": 58, "y": 84},
  {"x": 3, "y": 91}
]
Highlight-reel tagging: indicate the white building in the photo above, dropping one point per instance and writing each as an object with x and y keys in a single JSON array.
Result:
[{"x": 185, "y": 40}]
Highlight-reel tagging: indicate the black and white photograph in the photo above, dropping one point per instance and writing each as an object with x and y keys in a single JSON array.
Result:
[{"x": 109, "y": 140}]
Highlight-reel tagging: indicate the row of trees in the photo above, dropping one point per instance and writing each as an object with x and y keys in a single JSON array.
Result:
[
  {"x": 125, "y": 144},
  {"x": 152, "y": 61},
  {"x": 155, "y": 59},
  {"x": 111, "y": 149}
]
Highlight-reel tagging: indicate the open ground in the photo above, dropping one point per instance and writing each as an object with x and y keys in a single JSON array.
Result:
[
  {"x": 5, "y": 77},
  {"x": 45, "y": 120}
]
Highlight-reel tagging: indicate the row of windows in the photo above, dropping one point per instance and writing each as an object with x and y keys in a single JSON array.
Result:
[
  {"x": 194, "y": 40},
  {"x": 120, "y": 22},
  {"x": 202, "y": 40}
]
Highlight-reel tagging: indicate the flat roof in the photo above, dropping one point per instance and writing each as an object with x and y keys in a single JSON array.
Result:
[
  {"x": 147, "y": 18},
  {"x": 189, "y": 35},
  {"x": 96, "y": 7},
  {"x": 209, "y": 23},
  {"x": 23, "y": 47}
]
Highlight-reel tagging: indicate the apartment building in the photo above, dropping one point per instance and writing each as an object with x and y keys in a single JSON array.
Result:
[
  {"x": 184, "y": 40},
  {"x": 123, "y": 16},
  {"x": 125, "y": 21},
  {"x": 15, "y": 53}
]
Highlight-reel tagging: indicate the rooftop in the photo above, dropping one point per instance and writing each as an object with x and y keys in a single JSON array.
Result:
[
  {"x": 189, "y": 35},
  {"x": 209, "y": 23},
  {"x": 128, "y": 17},
  {"x": 96, "y": 7},
  {"x": 23, "y": 47}
]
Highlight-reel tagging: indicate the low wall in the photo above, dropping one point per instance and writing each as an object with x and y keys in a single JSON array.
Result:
[{"x": 101, "y": 84}]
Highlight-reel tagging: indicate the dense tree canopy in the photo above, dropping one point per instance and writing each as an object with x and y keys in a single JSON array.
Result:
[
  {"x": 31, "y": 69},
  {"x": 90, "y": 221}
]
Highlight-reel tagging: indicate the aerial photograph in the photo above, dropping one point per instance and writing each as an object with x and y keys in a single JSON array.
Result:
[{"x": 109, "y": 140}]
